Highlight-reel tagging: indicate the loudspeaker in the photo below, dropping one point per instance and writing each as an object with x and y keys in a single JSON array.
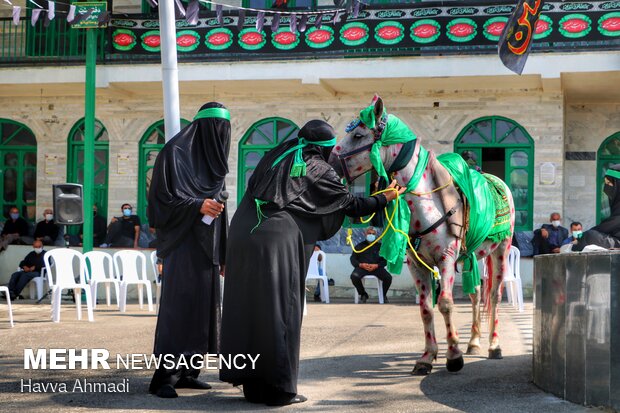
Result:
[{"x": 68, "y": 205}]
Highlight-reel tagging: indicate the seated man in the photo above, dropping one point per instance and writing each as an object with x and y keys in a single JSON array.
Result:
[
  {"x": 99, "y": 229},
  {"x": 15, "y": 230},
  {"x": 369, "y": 262},
  {"x": 548, "y": 239},
  {"x": 46, "y": 231},
  {"x": 576, "y": 231},
  {"x": 30, "y": 268},
  {"x": 123, "y": 231}
]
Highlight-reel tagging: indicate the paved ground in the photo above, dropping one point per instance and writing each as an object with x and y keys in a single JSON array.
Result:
[{"x": 353, "y": 357}]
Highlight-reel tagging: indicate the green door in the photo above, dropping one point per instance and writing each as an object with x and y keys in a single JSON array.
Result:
[
  {"x": 75, "y": 171},
  {"x": 18, "y": 166},
  {"x": 505, "y": 149}
]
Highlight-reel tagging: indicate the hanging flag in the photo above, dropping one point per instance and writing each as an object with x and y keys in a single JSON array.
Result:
[
  {"x": 103, "y": 18},
  {"x": 153, "y": 3},
  {"x": 191, "y": 13},
  {"x": 35, "y": 16},
  {"x": 275, "y": 22},
  {"x": 219, "y": 14},
  {"x": 81, "y": 17},
  {"x": 336, "y": 17},
  {"x": 356, "y": 8},
  {"x": 516, "y": 39},
  {"x": 71, "y": 14},
  {"x": 51, "y": 10},
  {"x": 241, "y": 19},
  {"x": 293, "y": 23},
  {"x": 302, "y": 23},
  {"x": 260, "y": 20},
  {"x": 317, "y": 23},
  {"x": 180, "y": 7},
  {"x": 16, "y": 13}
]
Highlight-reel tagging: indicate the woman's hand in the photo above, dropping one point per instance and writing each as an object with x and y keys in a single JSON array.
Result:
[
  {"x": 211, "y": 208},
  {"x": 391, "y": 195}
]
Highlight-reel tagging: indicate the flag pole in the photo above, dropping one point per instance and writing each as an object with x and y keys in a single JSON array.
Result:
[{"x": 170, "y": 72}]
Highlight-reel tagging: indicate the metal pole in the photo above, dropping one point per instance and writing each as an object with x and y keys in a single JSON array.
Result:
[
  {"x": 89, "y": 138},
  {"x": 170, "y": 73}
]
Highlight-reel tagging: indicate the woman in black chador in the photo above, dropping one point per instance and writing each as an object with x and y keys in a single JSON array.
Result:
[
  {"x": 294, "y": 199},
  {"x": 607, "y": 233},
  {"x": 188, "y": 175}
]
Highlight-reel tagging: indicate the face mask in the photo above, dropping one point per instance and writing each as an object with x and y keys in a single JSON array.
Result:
[
  {"x": 14, "y": 216},
  {"x": 49, "y": 217},
  {"x": 38, "y": 250},
  {"x": 370, "y": 237},
  {"x": 577, "y": 234},
  {"x": 556, "y": 223},
  {"x": 127, "y": 212}
]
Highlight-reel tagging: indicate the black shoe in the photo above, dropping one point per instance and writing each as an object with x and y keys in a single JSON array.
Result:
[
  {"x": 21, "y": 297},
  {"x": 385, "y": 300},
  {"x": 167, "y": 392},
  {"x": 364, "y": 298},
  {"x": 331, "y": 282},
  {"x": 317, "y": 298},
  {"x": 298, "y": 398},
  {"x": 192, "y": 383}
]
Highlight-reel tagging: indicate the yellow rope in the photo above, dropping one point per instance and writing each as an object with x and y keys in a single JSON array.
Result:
[
  {"x": 434, "y": 190},
  {"x": 390, "y": 225}
]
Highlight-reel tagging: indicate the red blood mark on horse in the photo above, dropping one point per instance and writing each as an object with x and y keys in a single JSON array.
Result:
[
  {"x": 495, "y": 334},
  {"x": 417, "y": 224},
  {"x": 423, "y": 287},
  {"x": 428, "y": 335},
  {"x": 424, "y": 175},
  {"x": 425, "y": 311},
  {"x": 338, "y": 147},
  {"x": 359, "y": 168},
  {"x": 422, "y": 296},
  {"x": 409, "y": 202},
  {"x": 417, "y": 282}
]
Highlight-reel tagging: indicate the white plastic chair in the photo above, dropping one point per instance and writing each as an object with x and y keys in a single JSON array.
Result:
[
  {"x": 379, "y": 288},
  {"x": 512, "y": 279},
  {"x": 315, "y": 274},
  {"x": 101, "y": 272},
  {"x": 63, "y": 277},
  {"x": 157, "y": 279},
  {"x": 5, "y": 290},
  {"x": 37, "y": 285},
  {"x": 130, "y": 266}
]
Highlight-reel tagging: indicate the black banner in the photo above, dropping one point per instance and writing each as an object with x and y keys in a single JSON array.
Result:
[{"x": 516, "y": 40}]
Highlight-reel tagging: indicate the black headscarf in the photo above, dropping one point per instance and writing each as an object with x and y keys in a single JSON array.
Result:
[
  {"x": 319, "y": 192},
  {"x": 190, "y": 168},
  {"x": 611, "y": 225}
]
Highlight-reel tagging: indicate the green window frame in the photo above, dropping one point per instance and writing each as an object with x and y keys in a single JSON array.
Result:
[
  {"x": 151, "y": 143},
  {"x": 260, "y": 138},
  {"x": 75, "y": 164},
  {"x": 504, "y": 133},
  {"x": 18, "y": 166},
  {"x": 608, "y": 154}
]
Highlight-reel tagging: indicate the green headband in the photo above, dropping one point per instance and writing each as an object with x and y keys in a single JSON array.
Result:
[
  {"x": 213, "y": 113},
  {"x": 299, "y": 166},
  {"x": 613, "y": 173}
]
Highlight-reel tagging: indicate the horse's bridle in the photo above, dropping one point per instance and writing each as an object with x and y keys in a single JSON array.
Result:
[{"x": 377, "y": 133}]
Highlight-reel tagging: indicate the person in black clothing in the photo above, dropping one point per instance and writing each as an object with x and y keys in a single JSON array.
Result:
[
  {"x": 46, "y": 231},
  {"x": 30, "y": 268},
  {"x": 123, "y": 231},
  {"x": 294, "y": 199},
  {"x": 100, "y": 229},
  {"x": 369, "y": 262},
  {"x": 15, "y": 230},
  {"x": 607, "y": 233}
]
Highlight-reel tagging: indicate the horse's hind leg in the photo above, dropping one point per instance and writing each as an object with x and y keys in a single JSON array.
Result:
[
  {"x": 424, "y": 364},
  {"x": 499, "y": 265},
  {"x": 473, "y": 347}
]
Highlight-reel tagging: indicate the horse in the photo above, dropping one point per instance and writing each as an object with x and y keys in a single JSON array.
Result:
[{"x": 437, "y": 234}]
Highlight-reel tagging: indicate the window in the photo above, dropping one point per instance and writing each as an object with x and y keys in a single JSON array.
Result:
[
  {"x": 503, "y": 148},
  {"x": 608, "y": 154},
  {"x": 75, "y": 164},
  {"x": 18, "y": 163},
  {"x": 262, "y": 136},
  {"x": 151, "y": 143}
]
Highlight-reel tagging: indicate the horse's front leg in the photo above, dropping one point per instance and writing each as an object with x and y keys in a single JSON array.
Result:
[
  {"x": 424, "y": 364},
  {"x": 473, "y": 347},
  {"x": 499, "y": 265},
  {"x": 447, "y": 270}
]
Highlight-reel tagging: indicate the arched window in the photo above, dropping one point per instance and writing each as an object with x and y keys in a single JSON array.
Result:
[
  {"x": 150, "y": 144},
  {"x": 75, "y": 164},
  {"x": 258, "y": 139},
  {"x": 18, "y": 165},
  {"x": 608, "y": 154},
  {"x": 503, "y": 148}
]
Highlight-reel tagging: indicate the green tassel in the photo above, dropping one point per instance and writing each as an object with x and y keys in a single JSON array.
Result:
[
  {"x": 299, "y": 166},
  {"x": 259, "y": 213}
]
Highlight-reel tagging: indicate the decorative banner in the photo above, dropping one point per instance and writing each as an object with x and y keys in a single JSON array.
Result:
[
  {"x": 87, "y": 14},
  {"x": 219, "y": 14},
  {"x": 180, "y": 7},
  {"x": 516, "y": 40},
  {"x": 51, "y": 10},
  {"x": 303, "y": 22},
  {"x": 260, "y": 21},
  {"x": 71, "y": 14},
  {"x": 191, "y": 14},
  {"x": 35, "y": 16},
  {"x": 241, "y": 20},
  {"x": 16, "y": 13},
  {"x": 293, "y": 23},
  {"x": 275, "y": 23}
]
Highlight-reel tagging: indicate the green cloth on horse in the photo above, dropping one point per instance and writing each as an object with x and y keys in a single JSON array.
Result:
[{"x": 486, "y": 196}]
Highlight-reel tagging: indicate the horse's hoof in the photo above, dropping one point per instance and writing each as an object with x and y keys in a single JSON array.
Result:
[
  {"x": 454, "y": 365},
  {"x": 496, "y": 354},
  {"x": 473, "y": 350},
  {"x": 422, "y": 369}
]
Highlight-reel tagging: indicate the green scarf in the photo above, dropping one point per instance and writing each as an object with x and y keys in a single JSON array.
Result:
[
  {"x": 394, "y": 244},
  {"x": 299, "y": 165}
]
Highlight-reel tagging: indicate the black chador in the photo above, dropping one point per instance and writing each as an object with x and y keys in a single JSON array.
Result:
[
  {"x": 300, "y": 199},
  {"x": 190, "y": 168}
]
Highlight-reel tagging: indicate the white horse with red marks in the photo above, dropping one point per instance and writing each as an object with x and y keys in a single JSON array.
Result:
[{"x": 440, "y": 247}]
